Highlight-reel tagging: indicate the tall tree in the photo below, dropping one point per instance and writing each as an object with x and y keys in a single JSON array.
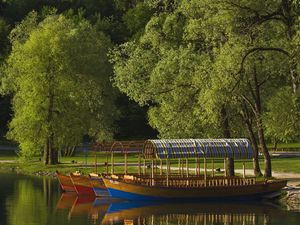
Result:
[{"x": 58, "y": 74}]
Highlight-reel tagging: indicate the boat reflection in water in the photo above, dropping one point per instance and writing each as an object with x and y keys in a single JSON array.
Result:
[
  {"x": 189, "y": 213},
  {"x": 94, "y": 208},
  {"x": 113, "y": 211}
]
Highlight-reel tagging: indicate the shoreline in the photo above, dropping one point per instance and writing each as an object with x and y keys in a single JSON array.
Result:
[{"x": 290, "y": 197}]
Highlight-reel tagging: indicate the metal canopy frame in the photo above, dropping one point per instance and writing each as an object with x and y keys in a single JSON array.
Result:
[{"x": 198, "y": 148}]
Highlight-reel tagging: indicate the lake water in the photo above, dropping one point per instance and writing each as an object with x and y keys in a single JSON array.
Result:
[{"x": 26, "y": 200}]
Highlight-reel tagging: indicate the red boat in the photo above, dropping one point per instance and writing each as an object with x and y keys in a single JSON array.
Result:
[
  {"x": 65, "y": 182},
  {"x": 82, "y": 184}
]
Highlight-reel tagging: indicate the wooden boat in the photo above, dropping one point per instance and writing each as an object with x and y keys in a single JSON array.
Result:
[
  {"x": 82, "y": 184},
  {"x": 168, "y": 186},
  {"x": 98, "y": 185},
  {"x": 214, "y": 188},
  {"x": 65, "y": 182}
]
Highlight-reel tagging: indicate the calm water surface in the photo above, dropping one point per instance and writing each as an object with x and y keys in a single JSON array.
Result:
[{"x": 26, "y": 200}]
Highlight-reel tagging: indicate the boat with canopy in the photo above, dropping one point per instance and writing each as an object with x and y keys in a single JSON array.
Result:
[
  {"x": 161, "y": 183},
  {"x": 123, "y": 147}
]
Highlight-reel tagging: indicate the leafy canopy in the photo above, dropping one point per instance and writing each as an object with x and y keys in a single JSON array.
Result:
[{"x": 58, "y": 74}]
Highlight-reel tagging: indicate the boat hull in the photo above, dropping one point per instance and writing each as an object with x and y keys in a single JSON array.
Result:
[
  {"x": 65, "y": 182},
  {"x": 82, "y": 185},
  {"x": 131, "y": 191},
  {"x": 98, "y": 186}
]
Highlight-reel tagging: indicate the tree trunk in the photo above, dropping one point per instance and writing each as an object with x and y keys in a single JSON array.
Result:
[
  {"x": 247, "y": 117},
  {"x": 225, "y": 122},
  {"x": 52, "y": 155},
  {"x": 261, "y": 137},
  {"x": 226, "y": 134},
  {"x": 256, "y": 166},
  {"x": 230, "y": 167},
  {"x": 46, "y": 154},
  {"x": 259, "y": 122}
]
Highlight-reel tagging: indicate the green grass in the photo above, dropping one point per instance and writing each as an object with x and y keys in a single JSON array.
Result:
[
  {"x": 285, "y": 145},
  {"x": 286, "y": 165},
  {"x": 86, "y": 164}
]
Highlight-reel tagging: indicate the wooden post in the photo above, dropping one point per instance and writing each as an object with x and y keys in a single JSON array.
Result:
[
  {"x": 167, "y": 164},
  {"x": 125, "y": 168},
  {"x": 187, "y": 167},
  {"x": 96, "y": 160},
  {"x": 225, "y": 171},
  {"x": 196, "y": 166},
  {"x": 112, "y": 162},
  {"x": 106, "y": 162},
  {"x": 213, "y": 167},
  {"x": 244, "y": 170},
  {"x": 160, "y": 172},
  {"x": 199, "y": 163},
  {"x": 139, "y": 162},
  {"x": 179, "y": 167},
  {"x": 187, "y": 171},
  {"x": 182, "y": 167},
  {"x": 152, "y": 172},
  {"x": 144, "y": 167},
  {"x": 205, "y": 171}
]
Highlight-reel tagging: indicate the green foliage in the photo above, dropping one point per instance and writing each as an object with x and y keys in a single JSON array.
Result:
[
  {"x": 282, "y": 122},
  {"x": 191, "y": 62},
  {"x": 59, "y": 77},
  {"x": 136, "y": 18},
  {"x": 160, "y": 70}
]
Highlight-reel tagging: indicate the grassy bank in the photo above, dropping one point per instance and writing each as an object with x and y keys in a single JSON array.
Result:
[{"x": 86, "y": 164}]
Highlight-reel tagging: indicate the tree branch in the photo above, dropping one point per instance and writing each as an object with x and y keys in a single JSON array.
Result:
[
  {"x": 249, "y": 103},
  {"x": 260, "y": 49},
  {"x": 260, "y": 17},
  {"x": 264, "y": 81}
]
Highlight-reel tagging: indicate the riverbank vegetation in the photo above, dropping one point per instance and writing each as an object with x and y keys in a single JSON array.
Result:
[{"x": 101, "y": 70}]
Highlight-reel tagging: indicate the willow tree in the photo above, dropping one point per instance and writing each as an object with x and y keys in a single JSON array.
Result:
[
  {"x": 58, "y": 74},
  {"x": 256, "y": 54}
]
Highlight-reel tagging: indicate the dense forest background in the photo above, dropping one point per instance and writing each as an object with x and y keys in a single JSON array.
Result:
[{"x": 134, "y": 69}]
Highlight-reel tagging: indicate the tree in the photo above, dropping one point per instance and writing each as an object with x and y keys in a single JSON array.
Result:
[
  {"x": 58, "y": 74},
  {"x": 249, "y": 32},
  {"x": 282, "y": 121},
  {"x": 211, "y": 64}
]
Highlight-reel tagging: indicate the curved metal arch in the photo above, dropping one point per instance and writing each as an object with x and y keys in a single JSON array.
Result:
[
  {"x": 145, "y": 149},
  {"x": 115, "y": 143},
  {"x": 134, "y": 143}
]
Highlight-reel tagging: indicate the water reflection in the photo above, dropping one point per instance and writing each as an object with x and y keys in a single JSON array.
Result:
[
  {"x": 190, "y": 213},
  {"x": 36, "y": 201},
  {"x": 113, "y": 211}
]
